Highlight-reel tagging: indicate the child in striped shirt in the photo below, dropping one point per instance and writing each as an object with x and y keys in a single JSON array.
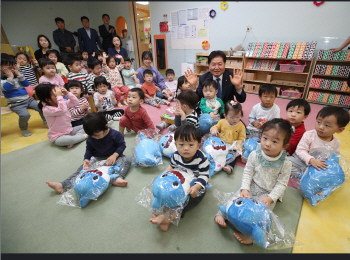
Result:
[
  {"x": 82, "y": 109},
  {"x": 190, "y": 157},
  {"x": 74, "y": 64},
  {"x": 96, "y": 70},
  {"x": 27, "y": 70}
]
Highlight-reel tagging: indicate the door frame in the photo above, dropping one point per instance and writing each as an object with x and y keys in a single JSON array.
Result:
[
  {"x": 155, "y": 38},
  {"x": 135, "y": 33}
]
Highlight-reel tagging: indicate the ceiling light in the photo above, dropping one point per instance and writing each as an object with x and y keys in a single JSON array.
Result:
[
  {"x": 138, "y": 14},
  {"x": 142, "y": 3}
]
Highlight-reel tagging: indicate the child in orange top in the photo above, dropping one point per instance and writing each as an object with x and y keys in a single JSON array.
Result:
[
  {"x": 149, "y": 88},
  {"x": 110, "y": 67}
]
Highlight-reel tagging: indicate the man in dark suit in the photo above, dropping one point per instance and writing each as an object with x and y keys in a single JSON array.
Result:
[
  {"x": 64, "y": 39},
  {"x": 106, "y": 31},
  {"x": 88, "y": 37},
  {"x": 229, "y": 83}
]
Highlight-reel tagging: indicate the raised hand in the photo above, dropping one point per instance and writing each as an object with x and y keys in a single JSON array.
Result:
[
  {"x": 237, "y": 77},
  {"x": 58, "y": 91},
  {"x": 8, "y": 73},
  {"x": 191, "y": 77},
  {"x": 118, "y": 56}
]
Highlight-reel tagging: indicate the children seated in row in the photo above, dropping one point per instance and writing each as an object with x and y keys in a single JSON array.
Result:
[
  {"x": 84, "y": 59},
  {"x": 55, "y": 110},
  {"x": 297, "y": 111},
  {"x": 105, "y": 100},
  {"x": 27, "y": 70},
  {"x": 104, "y": 143},
  {"x": 266, "y": 109},
  {"x": 267, "y": 171},
  {"x": 17, "y": 98},
  {"x": 95, "y": 71},
  {"x": 110, "y": 67},
  {"x": 48, "y": 67},
  {"x": 135, "y": 116},
  {"x": 210, "y": 103},
  {"x": 129, "y": 75},
  {"x": 230, "y": 129},
  {"x": 171, "y": 84},
  {"x": 149, "y": 88},
  {"x": 82, "y": 109},
  {"x": 316, "y": 142},
  {"x": 61, "y": 69},
  {"x": 188, "y": 156}
]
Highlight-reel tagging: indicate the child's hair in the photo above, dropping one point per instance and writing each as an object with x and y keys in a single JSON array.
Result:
[
  {"x": 71, "y": 58},
  {"x": 340, "y": 114},
  {"x": 127, "y": 59},
  {"x": 139, "y": 91},
  {"x": 299, "y": 102},
  {"x": 82, "y": 51},
  {"x": 7, "y": 59},
  {"x": 168, "y": 71},
  {"x": 147, "y": 71},
  {"x": 94, "y": 122},
  {"x": 92, "y": 62},
  {"x": 267, "y": 88},
  {"x": 109, "y": 58},
  {"x": 180, "y": 81},
  {"x": 121, "y": 43},
  {"x": 146, "y": 55},
  {"x": 188, "y": 97},
  {"x": 99, "y": 53},
  {"x": 209, "y": 82},
  {"x": 281, "y": 125},
  {"x": 41, "y": 35},
  {"x": 43, "y": 92},
  {"x": 234, "y": 106},
  {"x": 44, "y": 62},
  {"x": 101, "y": 80},
  {"x": 58, "y": 55},
  {"x": 188, "y": 133},
  {"x": 75, "y": 83},
  {"x": 22, "y": 53}
]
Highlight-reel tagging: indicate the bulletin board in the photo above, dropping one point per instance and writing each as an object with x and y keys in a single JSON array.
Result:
[{"x": 189, "y": 27}]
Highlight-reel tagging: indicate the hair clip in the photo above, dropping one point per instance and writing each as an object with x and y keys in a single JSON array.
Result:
[{"x": 233, "y": 103}]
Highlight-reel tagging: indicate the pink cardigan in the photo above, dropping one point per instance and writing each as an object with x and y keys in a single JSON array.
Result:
[
  {"x": 59, "y": 118},
  {"x": 56, "y": 80},
  {"x": 311, "y": 142}
]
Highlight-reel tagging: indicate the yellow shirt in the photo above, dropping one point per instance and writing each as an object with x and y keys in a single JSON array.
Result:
[{"x": 230, "y": 133}]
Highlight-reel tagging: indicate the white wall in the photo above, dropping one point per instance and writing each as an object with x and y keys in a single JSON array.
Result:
[
  {"x": 24, "y": 21},
  {"x": 271, "y": 21}
]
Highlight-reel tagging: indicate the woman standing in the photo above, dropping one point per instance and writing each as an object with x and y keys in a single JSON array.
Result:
[{"x": 117, "y": 49}]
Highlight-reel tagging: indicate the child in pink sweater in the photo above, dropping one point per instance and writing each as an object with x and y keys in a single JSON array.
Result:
[
  {"x": 58, "y": 117},
  {"x": 48, "y": 67}
]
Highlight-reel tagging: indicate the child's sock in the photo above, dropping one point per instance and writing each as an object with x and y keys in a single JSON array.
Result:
[
  {"x": 26, "y": 132},
  {"x": 162, "y": 125},
  {"x": 70, "y": 146}
]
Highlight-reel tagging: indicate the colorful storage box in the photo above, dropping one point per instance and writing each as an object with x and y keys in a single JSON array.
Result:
[{"x": 167, "y": 118}]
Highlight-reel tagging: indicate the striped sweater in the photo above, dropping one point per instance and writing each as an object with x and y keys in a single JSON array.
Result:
[
  {"x": 78, "y": 113},
  {"x": 81, "y": 76},
  {"x": 191, "y": 119},
  {"x": 90, "y": 80},
  {"x": 28, "y": 72}
]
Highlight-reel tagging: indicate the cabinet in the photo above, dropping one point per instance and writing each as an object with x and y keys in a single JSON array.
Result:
[
  {"x": 260, "y": 70},
  {"x": 232, "y": 62},
  {"x": 328, "y": 84}
]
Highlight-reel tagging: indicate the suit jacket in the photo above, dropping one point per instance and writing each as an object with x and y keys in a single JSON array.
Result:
[
  {"x": 228, "y": 89},
  {"x": 85, "y": 43},
  {"x": 64, "y": 39},
  {"x": 106, "y": 36}
]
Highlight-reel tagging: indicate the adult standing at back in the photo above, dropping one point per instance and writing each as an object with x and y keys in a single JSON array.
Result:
[
  {"x": 64, "y": 39},
  {"x": 229, "y": 84},
  {"x": 87, "y": 37},
  {"x": 44, "y": 44},
  {"x": 117, "y": 49},
  {"x": 106, "y": 32}
]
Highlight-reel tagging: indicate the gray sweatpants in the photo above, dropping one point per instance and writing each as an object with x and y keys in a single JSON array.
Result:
[
  {"x": 21, "y": 109},
  {"x": 153, "y": 102},
  {"x": 76, "y": 136},
  {"x": 124, "y": 168}
]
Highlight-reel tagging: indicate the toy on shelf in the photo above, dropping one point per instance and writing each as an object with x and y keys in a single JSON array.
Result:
[
  {"x": 147, "y": 152},
  {"x": 167, "y": 145}
]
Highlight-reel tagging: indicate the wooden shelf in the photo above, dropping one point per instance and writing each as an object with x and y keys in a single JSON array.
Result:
[
  {"x": 326, "y": 104},
  {"x": 276, "y": 97},
  {"x": 331, "y": 76},
  {"x": 281, "y": 59},
  {"x": 278, "y": 71},
  {"x": 333, "y": 61},
  {"x": 332, "y": 90},
  {"x": 264, "y": 82}
]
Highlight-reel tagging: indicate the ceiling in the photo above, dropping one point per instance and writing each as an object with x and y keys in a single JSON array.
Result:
[{"x": 142, "y": 11}]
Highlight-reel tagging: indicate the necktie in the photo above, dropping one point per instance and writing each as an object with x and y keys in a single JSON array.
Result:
[{"x": 219, "y": 88}]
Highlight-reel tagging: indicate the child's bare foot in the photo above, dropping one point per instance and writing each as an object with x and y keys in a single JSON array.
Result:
[
  {"x": 220, "y": 220},
  {"x": 157, "y": 105},
  {"x": 168, "y": 103},
  {"x": 243, "y": 160},
  {"x": 128, "y": 130},
  {"x": 57, "y": 186},
  {"x": 227, "y": 169},
  {"x": 161, "y": 221},
  {"x": 243, "y": 239},
  {"x": 120, "y": 182}
]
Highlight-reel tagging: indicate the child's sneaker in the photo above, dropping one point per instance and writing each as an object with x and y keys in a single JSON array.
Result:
[
  {"x": 116, "y": 118},
  {"x": 120, "y": 105},
  {"x": 162, "y": 125},
  {"x": 172, "y": 128},
  {"x": 125, "y": 102},
  {"x": 26, "y": 132}
]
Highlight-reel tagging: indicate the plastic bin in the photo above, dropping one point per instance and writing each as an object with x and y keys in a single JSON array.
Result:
[
  {"x": 292, "y": 67},
  {"x": 291, "y": 94}
]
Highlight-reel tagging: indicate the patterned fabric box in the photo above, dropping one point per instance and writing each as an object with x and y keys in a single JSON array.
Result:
[
  {"x": 318, "y": 82},
  {"x": 252, "y": 49},
  {"x": 257, "y": 46},
  {"x": 263, "y": 63},
  {"x": 311, "y": 93},
  {"x": 323, "y": 83},
  {"x": 268, "y": 49},
  {"x": 325, "y": 97},
  {"x": 331, "y": 55},
  {"x": 340, "y": 85},
  {"x": 325, "y": 55},
  {"x": 266, "y": 67},
  {"x": 281, "y": 49},
  {"x": 320, "y": 97},
  {"x": 336, "y": 98},
  {"x": 262, "y": 54},
  {"x": 261, "y": 46},
  {"x": 329, "y": 69},
  {"x": 320, "y": 54},
  {"x": 347, "y": 70},
  {"x": 343, "y": 55},
  {"x": 272, "y": 51},
  {"x": 330, "y": 98},
  {"x": 345, "y": 86},
  {"x": 255, "y": 64},
  {"x": 347, "y": 100},
  {"x": 342, "y": 71},
  {"x": 277, "y": 48},
  {"x": 341, "y": 100},
  {"x": 291, "y": 50},
  {"x": 249, "y": 47},
  {"x": 348, "y": 56},
  {"x": 301, "y": 50},
  {"x": 315, "y": 96},
  {"x": 335, "y": 69},
  {"x": 337, "y": 55},
  {"x": 296, "y": 52},
  {"x": 312, "y": 82},
  {"x": 334, "y": 84},
  {"x": 323, "y": 69},
  {"x": 272, "y": 64},
  {"x": 328, "y": 84},
  {"x": 306, "y": 51},
  {"x": 312, "y": 50},
  {"x": 285, "y": 50},
  {"x": 275, "y": 65},
  {"x": 317, "y": 69}
]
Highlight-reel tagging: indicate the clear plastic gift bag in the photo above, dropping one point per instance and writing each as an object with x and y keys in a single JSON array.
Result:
[
  {"x": 167, "y": 145},
  {"x": 90, "y": 183},
  {"x": 146, "y": 152},
  {"x": 218, "y": 152},
  {"x": 255, "y": 220},
  {"x": 315, "y": 185},
  {"x": 168, "y": 194}
]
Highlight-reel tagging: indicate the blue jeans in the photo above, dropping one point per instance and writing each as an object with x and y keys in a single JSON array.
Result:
[{"x": 160, "y": 94}]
